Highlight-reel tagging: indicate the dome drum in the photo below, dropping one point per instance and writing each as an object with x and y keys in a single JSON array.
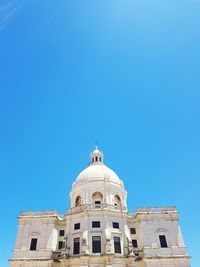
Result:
[{"x": 101, "y": 197}]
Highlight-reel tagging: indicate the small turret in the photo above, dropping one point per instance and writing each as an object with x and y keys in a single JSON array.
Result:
[{"x": 96, "y": 156}]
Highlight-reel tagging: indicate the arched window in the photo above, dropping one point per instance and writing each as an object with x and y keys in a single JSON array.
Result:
[
  {"x": 97, "y": 199},
  {"x": 117, "y": 200},
  {"x": 78, "y": 201}
]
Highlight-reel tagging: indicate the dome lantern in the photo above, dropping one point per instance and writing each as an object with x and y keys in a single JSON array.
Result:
[{"x": 96, "y": 156}]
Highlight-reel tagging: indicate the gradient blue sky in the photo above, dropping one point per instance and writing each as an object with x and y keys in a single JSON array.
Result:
[{"x": 123, "y": 73}]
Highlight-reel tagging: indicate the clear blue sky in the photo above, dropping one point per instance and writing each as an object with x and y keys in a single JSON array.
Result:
[{"x": 123, "y": 73}]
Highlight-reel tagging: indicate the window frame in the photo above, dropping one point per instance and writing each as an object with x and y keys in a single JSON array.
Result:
[
  {"x": 60, "y": 244},
  {"x": 134, "y": 243},
  {"x": 117, "y": 245},
  {"x": 98, "y": 224},
  {"x": 96, "y": 250},
  {"x": 77, "y": 226},
  {"x": 163, "y": 241},
  {"x": 115, "y": 225},
  {"x": 33, "y": 244},
  {"x": 62, "y": 232},
  {"x": 76, "y": 246},
  {"x": 133, "y": 231}
]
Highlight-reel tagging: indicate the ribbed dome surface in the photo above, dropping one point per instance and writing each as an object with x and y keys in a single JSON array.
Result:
[{"x": 98, "y": 172}]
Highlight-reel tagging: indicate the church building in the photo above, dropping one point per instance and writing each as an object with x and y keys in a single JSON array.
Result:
[{"x": 98, "y": 231}]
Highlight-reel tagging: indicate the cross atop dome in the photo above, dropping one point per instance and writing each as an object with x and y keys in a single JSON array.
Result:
[{"x": 96, "y": 156}]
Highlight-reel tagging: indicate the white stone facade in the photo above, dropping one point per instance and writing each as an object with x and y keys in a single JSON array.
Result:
[{"x": 98, "y": 231}]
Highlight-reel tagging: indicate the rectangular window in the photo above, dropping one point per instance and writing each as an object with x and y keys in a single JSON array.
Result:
[
  {"x": 96, "y": 224},
  {"x": 60, "y": 245},
  {"x": 33, "y": 245},
  {"x": 62, "y": 232},
  {"x": 116, "y": 225},
  {"x": 76, "y": 246},
  {"x": 133, "y": 231},
  {"x": 96, "y": 244},
  {"x": 117, "y": 245},
  {"x": 76, "y": 226},
  {"x": 134, "y": 243},
  {"x": 163, "y": 242}
]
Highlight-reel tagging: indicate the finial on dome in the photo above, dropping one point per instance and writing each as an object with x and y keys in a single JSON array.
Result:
[
  {"x": 96, "y": 146},
  {"x": 96, "y": 156}
]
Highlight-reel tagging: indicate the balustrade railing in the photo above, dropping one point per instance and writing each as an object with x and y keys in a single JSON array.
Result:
[
  {"x": 89, "y": 207},
  {"x": 41, "y": 213}
]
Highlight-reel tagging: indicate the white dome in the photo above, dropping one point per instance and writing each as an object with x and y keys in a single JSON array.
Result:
[
  {"x": 98, "y": 172},
  {"x": 98, "y": 183}
]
